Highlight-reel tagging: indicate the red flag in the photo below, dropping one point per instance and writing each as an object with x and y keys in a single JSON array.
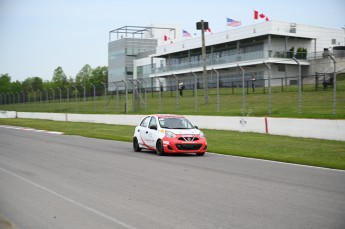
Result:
[
  {"x": 208, "y": 30},
  {"x": 166, "y": 38},
  {"x": 258, "y": 15}
]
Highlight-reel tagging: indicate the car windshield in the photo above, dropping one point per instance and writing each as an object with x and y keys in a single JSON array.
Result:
[{"x": 175, "y": 123}]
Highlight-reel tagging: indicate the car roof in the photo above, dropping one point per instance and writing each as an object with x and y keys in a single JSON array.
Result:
[{"x": 168, "y": 116}]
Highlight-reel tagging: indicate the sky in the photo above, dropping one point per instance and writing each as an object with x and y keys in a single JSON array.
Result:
[{"x": 37, "y": 36}]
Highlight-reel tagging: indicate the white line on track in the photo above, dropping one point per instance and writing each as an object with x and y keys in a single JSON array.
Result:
[
  {"x": 30, "y": 129},
  {"x": 69, "y": 200},
  {"x": 277, "y": 162}
]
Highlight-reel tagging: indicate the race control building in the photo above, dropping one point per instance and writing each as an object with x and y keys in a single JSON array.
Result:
[{"x": 138, "y": 53}]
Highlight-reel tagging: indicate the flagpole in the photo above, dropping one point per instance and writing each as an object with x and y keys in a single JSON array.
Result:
[
  {"x": 254, "y": 29},
  {"x": 253, "y": 16}
]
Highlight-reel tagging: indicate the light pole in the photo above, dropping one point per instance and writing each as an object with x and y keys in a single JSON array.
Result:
[{"x": 203, "y": 26}]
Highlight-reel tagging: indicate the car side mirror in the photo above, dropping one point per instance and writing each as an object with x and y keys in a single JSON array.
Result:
[
  {"x": 196, "y": 127},
  {"x": 153, "y": 127}
]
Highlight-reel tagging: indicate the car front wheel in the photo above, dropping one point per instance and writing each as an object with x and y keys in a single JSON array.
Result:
[
  {"x": 160, "y": 148},
  {"x": 136, "y": 147}
]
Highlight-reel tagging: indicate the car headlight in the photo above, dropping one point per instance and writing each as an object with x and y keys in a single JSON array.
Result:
[
  {"x": 169, "y": 134},
  {"x": 202, "y": 135}
]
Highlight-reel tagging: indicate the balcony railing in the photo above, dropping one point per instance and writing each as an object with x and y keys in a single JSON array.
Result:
[{"x": 231, "y": 59}]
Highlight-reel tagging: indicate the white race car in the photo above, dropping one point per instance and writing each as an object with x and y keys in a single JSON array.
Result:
[{"x": 165, "y": 133}]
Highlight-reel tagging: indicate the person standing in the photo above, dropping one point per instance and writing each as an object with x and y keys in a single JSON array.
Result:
[
  {"x": 180, "y": 88},
  {"x": 253, "y": 83}
]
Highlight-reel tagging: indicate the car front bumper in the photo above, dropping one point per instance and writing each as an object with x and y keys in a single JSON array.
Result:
[{"x": 174, "y": 145}]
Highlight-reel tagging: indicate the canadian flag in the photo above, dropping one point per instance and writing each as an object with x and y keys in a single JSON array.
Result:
[
  {"x": 166, "y": 38},
  {"x": 208, "y": 30},
  {"x": 258, "y": 15}
]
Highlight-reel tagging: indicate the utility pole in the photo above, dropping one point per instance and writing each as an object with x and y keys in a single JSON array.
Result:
[{"x": 203, "y": 26}]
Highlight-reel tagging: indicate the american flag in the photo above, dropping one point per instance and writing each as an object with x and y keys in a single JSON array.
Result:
[
  {"x": 233, "y": 23},
  {"x": 186, "y": 34}
]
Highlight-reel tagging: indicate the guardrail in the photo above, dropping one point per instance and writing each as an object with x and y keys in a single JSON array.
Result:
[{"x": 307, "y": 128}]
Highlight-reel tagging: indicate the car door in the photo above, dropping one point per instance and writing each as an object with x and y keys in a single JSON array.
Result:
[
  {"x": 142, "y": 131},
  {"x": 152, "y": 132}
]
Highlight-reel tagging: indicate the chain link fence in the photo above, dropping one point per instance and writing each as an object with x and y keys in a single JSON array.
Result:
[{"x": 248, "y": 93}]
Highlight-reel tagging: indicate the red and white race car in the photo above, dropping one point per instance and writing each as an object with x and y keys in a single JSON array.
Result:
[{"x": 167, "y": 133}]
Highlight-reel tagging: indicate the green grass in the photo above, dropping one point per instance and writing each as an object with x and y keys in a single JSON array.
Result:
[
  {"x": 315, "y": 152},
  {"x": 315, "y": 104}
]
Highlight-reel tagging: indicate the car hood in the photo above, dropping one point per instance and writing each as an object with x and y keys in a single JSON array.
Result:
[{"x": 184, "y": 131}]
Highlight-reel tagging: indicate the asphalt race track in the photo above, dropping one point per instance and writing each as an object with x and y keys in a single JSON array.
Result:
[{"x": 58, "y": 181}]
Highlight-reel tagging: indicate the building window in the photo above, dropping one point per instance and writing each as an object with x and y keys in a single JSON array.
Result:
[
  {"x": 129, "y": 71},
  {"x": 281, "y": 68},
  {"x": 334, "y": 41}
]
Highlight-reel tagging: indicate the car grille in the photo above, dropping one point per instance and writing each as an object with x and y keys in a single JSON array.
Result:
[
  {"x": 188, "y": 139},
  {"x": 188, "y": 146}
]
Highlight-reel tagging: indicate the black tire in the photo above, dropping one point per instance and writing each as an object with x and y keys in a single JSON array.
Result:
[
  {"x": 160, "y": 148},
  {"x": 200, "y": 154},
  {"x": 136, "y": 147}
]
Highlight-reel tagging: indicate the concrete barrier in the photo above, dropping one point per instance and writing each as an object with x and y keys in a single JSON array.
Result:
[
  {"x": 307, "y": 128},
  {"x": 8, "y": 114}
]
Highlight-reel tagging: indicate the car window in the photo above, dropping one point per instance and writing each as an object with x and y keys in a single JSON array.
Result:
[
  {"x": 145, "y": 121},
  {"x": 153, "y": 122},
  {"x": 175, "y": 123}
]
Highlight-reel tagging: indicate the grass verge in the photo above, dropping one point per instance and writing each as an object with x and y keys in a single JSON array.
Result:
[
  {"x": 306, "y": 151},
  {"x": 284, "y": 103}
]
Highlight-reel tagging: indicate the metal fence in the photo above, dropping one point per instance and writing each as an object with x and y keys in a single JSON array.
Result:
[{"x": 229, "y": 94}]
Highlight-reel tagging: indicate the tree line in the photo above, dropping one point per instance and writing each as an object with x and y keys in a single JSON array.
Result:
[{"x": 86, "y": 77}]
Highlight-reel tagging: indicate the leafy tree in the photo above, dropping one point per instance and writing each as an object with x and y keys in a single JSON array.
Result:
[
  {"x": 59, "y": 78},
  {"x": 99, "y": 75},
  {"x": 291, "y": 52},
  {"x": 33, "y": 83},
  {"x": 16, "y": 86},
  {"x": 301, "y": 53},
  {"x": 5, "y": 83},
  {"x": 84, "y": 75}
]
